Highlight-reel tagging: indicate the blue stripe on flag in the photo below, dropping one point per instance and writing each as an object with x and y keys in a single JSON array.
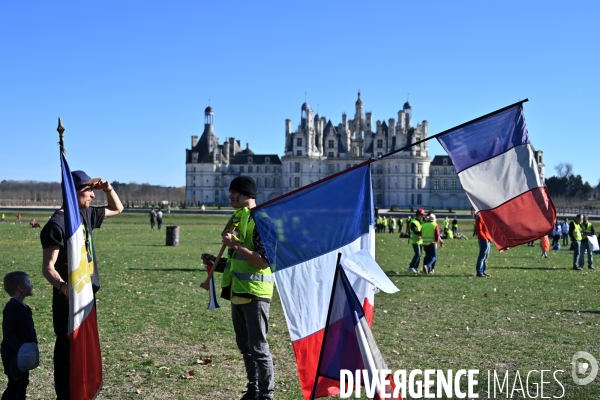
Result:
[
  {"x": 70, "y": 203},
  {"x": 341, "y": 349},
  {"x": 318, "y": 219},
  {"x": 485, "y": 139}
]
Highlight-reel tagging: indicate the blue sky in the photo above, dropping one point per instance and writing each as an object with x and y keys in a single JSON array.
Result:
[{"x": 130, "y": 80}]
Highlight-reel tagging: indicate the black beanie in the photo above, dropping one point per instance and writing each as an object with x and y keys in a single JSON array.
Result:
[{"x": 244, "y": 185}]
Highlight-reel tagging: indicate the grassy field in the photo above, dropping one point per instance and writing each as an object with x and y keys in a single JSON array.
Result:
[{"x": 160, "y": 342}]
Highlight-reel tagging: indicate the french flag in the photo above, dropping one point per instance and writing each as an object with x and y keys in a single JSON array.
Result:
[
  {"x": 496, "y": 166},
  {"x": 349, "y": 344},
  {"x": 86, "y": 361},
  {"x": 313, "y": 224}
]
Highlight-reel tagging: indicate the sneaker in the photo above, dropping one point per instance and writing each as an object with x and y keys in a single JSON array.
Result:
[
  {"x": 591, "y": 267},
  {"x": 249, "y": 396},
  {"x": 413, "y": 270},
  {"x": 577, "y": 268},
  {"x": 487, "y": 275},
  {"x": 431, "y": 271},
  {"x": 481, "y": 275}
]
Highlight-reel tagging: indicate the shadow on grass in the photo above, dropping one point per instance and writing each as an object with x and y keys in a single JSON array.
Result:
[
  {"x": 412, "y": 275},
  {"x": 536, "y": 268},
  {"x": 583, "y": 311},
  {"x": 168, "y": 269}
]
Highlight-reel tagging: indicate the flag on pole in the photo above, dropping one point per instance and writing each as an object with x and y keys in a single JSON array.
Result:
[
  {"x": 496, "y": 166},
  {"x": 213, "y": 302},
  {"x": 313, "y": 225},
  {"x": 348, "y": 344},
  {"x": 86, "y": 361}
]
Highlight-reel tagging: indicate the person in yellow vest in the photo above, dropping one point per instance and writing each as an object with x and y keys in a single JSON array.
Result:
[
  {"x": 576, "y": 235},
  {"x": 416, "y": 240},
  {"x": 446, "y": 225},
  {"x": 384, "y": 224},
  {"x": 249, "y": 279},
  {"x": 587, "y": 230},
  {"x": 431, "y": 235},
  {"x": 391, "y": 225},
  {"x": 400, "y": 224}
]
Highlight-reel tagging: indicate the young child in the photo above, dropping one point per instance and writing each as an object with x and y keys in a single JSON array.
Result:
[
  {"x": 545, "y": 245},
  {"x": 17, "y": 329}
]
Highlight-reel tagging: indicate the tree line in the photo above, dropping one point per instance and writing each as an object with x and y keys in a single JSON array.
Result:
[
  {"x": 566, "y": 184},
  {"x": 35, "y": 191}
]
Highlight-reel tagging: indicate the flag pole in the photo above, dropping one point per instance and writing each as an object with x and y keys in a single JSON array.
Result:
[
  {"x": 452, "y": 129},
  {"x": 337, "y": 265},
  {"x": 61, "y": 137}
]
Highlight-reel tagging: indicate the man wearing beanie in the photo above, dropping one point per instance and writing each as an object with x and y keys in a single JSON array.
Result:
[{"x": 248, "y": 282}]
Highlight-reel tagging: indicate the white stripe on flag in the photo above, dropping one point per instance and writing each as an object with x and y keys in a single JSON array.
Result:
[
  {"x": 306, "y": 287},
  {"x": 81, "y": 296},
  {"x": 502, "y": 178}
]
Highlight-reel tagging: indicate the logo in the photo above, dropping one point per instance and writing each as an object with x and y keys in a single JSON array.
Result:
[{"x": 581, "y": 368}]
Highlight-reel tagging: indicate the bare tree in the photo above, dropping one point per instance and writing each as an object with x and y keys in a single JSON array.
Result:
[{"x": 564, "y": 170}]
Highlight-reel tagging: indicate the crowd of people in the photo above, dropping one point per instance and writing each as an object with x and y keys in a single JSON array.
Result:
[{"x": 247, "y": 280}]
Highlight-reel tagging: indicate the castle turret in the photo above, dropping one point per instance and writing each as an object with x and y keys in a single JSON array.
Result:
[{"x": 408, "y": 117}]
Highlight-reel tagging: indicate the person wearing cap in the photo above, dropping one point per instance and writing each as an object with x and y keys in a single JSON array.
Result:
[
  {"x": 18, "y": 331},
  {"x": 587, "y": 230},
  {"x": 55, "y": 264},
  {"x": 431, "y": 236},
  {"x": 484, "y": 239},
  {"x": 248, "y": 283},
  {"x": 576, "y": 235},
  {"x": 416, "y": 239}
]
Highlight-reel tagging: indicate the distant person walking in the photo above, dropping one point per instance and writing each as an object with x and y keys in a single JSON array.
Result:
[
  {"x": 484, "y": 239},
  {"x": 455, "y": 226},
  {"x": 576, "y": 235},
  {"x": 159, "y": 219},
  {"x": 556, "y": 233},
  {"x": 545, "y": 246},
  {"x": 152, "y": 218},
  {"x": 19, "y": 218},
  {"x": 431, "y": 235},
  {"x": 2, "y": 217},
  {"x": 587, "y": 230},
  {"x": 416, "y": 239},
  {"x": 565, "y": 232}
]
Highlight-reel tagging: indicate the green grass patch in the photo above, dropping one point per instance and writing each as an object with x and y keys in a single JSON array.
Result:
[{"x": 159, "y": 341}]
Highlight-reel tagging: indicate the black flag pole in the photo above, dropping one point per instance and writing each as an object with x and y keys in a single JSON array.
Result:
[
  {"x": 61, "y": 137},
  {"x": 452, "y": 129}
]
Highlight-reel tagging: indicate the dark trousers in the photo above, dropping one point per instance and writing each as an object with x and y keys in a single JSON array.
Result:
[
  {"x": 16, "y": 389},
  {"x": 62, "y": 347},
  {"x": 414, "y": 263}
]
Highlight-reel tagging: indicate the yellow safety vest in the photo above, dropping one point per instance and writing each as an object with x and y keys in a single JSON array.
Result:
[
  {"x": 577, "y": 232},
  {"x": 428, "y": 233},
  {"x": 414, "y": 238}
]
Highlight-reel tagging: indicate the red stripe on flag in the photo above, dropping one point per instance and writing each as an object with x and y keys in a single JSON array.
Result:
[
  {"x": 86, "y": 360},
  {"x": 521, "y": 220},
  {"x": 307, "y": 352}
]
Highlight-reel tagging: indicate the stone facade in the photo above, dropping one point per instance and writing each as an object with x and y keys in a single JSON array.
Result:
[{"x": 317, "y": 149}]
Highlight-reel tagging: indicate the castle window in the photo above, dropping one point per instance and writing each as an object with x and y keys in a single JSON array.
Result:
[
  {"x": 249, "y": 160},
  {"x": 445, "y": 170},
  {"x": 418, "y": 154},
  {"x": 330, "y": 168},
  {"x": 419, "y": 199},
  {"x": 412, "y": 169},
  {"x": 330, "y": 154},
  {"x": 445, "y": 184},
  {"x": 276, "y": 182},
  {"x": 241, "y": 169},
  {"x": 445, "y": 161},
  {"x": 299, "y": 141},
  {"x": 436, "y": 171},
  {"x": 267, "y": 182},
  {"x": 452, "y": 171},
  {"x": 330, "y": 144},
  {"x": 275, "y": 170},
  {"x": 259, "y": 182},
  {"x": 419, "y": 184},
  {"x": 249, "y": 169},
  {"x": 436, "y": 184},
  {"x": 267, "y": 160},
  {"x": 419, "y": 168},
  {"x": 258, "y": 169},
  {"x": 268, "y": 170},
  {"x": 379, "y": 143},
  {"x": 453, "y": 184},
  {"x": 194, "y": 157},
  {"x": 412, "y": 183},
  {"x": 297, "y": 182},
  {"x": 297, "y": 167},
  {"x": 298, "y": 152}
]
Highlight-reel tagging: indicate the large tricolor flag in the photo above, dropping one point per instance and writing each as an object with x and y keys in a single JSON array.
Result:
[
  {"x": 495, "y": 162},
  {"x": 349, "y": 344},
  {"x": 313, "y": 225},
  {"x": 86, "y": 361}
]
